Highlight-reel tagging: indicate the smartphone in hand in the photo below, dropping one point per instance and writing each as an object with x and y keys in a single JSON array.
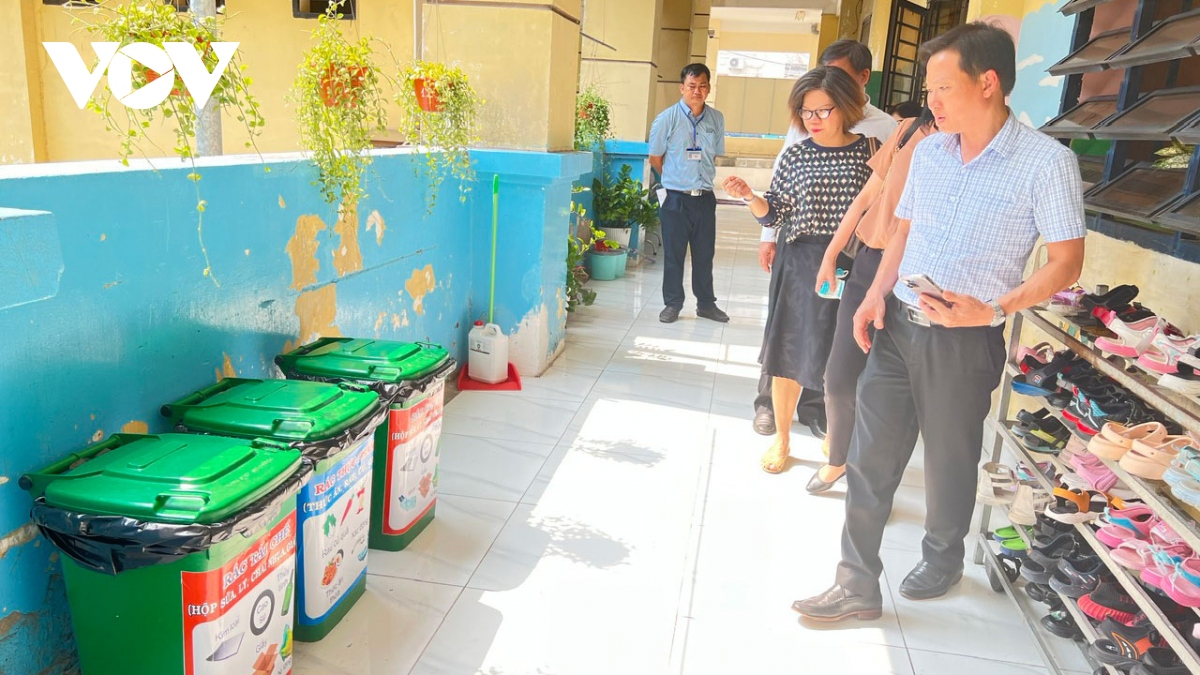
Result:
[{"x": 923, "y": 285}]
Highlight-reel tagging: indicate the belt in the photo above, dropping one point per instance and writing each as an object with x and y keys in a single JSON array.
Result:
[
  {"x": 691, "y": 193},
  {"x": 915, "y": 315}
]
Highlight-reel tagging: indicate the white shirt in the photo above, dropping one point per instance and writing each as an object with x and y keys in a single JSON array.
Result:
[{"x": 875, "y": 124}]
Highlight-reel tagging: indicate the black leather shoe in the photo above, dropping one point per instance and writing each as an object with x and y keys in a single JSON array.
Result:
[
  {"x": 669, "y": 315},
  {"x": 838, "y": 603},
  {"x": 764, "y": 423},
  {"x": 927, "y": 582},
  {"x": 712, "y": 314},
  {"x": 816, "y": 485},
  {"x": 817, "y": 427}
]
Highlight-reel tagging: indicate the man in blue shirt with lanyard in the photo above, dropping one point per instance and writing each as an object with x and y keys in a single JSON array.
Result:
[
  {"x": 684, "y": 142},
  {"x": 978, "y": 197}
]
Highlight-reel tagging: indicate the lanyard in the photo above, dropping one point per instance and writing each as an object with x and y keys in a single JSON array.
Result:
[{"x": 695, "y": 124}]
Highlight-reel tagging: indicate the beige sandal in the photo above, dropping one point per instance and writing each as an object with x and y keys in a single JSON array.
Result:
[{"x": 774, "y": 461}]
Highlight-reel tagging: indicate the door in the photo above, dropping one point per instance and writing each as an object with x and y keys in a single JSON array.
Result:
[{"x": 900, "y": 81}]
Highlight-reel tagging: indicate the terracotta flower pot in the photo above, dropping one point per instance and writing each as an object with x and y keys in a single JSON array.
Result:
[
  {"x": 334, "y": 89},
  {"x": 152, "y": 75},
  {"x": 427, "y": 96}
]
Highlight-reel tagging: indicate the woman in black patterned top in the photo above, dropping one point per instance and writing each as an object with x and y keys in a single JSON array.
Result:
[{"x": 815, "y": 183}]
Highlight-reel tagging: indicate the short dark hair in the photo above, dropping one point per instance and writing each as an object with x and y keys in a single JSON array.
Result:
[
  {"x": 695, "y": 70},
  {"x": 858, "y": 54},
  {"x": 848, "y": 97},
  {"x": 906, "y": 109},
  {"x": 981, "y": 47}
]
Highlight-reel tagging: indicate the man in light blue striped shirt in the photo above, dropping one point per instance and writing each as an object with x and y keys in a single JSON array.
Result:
[{"x": 978, "y": 196}]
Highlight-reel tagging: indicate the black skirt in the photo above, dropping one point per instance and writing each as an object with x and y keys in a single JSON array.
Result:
[{"x": 800, "y": 323}]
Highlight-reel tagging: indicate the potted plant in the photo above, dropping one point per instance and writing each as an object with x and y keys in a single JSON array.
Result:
[
  {"x": 606, "y": 260},
  {"x": 339, "y": 106},
  {"x": 621, "y": 203},
  {"x": 593, "y": 120},
  {"x": 154, "y": 22},
  {"x": 438, "y": 108},
  {"x": 579, "y": 241}
]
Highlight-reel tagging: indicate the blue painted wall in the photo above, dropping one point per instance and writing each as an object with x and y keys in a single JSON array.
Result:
[
  {"x": 134, "y": 320},
  {"x": 1045, "y": 40}
]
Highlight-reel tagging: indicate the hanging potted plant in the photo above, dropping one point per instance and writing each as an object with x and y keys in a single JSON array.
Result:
[
  {"x": 622, "y": 202},
  {"x": 155, "y": 23},
  {"x": 339, "y": 106},
  {"x": 438, "y": 109},
  {"x": 593, "y": 120}
]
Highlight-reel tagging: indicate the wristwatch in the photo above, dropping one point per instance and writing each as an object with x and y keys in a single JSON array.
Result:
[{"x": 998, "y": 315}]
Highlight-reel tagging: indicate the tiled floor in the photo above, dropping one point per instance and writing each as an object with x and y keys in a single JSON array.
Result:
[{"x": 611, "y": 519}]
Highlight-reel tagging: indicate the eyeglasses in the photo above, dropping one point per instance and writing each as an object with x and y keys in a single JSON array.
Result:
[
  {"x": 821, "y": 113},
  {"x": 696, "y": 87}
]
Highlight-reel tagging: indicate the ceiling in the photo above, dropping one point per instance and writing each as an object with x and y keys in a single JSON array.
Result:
[{"x": 768, "y": 19}]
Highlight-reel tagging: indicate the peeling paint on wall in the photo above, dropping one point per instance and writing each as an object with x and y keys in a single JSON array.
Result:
[
  {"x": 317, "y": 311},
  {"x": 347, "y": 257},
  {"x": 419, "y": 285},
  {"x": 226, "y": 369},
  {"x": 375, "y": 224},
  {"x": 528, "y": 345},
  {"x": 18, "y": 537},
  {"x": 98, "y": 436},
  {"x": 282, "y": 204},
  {"x": 135, "y": 427},
  {"x": 379, "y": 322},
  {"x": 302, "y": 248},
  {"x": 395, "y": 321}
]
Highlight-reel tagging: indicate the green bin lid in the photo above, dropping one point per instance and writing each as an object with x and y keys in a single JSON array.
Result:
[
  {"x": 360, "y": 359},
  {"x": 289, "y": 410},
  {"x": 171, "y": 478}
]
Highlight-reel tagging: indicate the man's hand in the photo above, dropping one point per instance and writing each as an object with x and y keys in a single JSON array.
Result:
[
  {"x": 766, "y": 255},
  {"x": 736, "y": 187},
  {"x": 963, "y": 311},
  {"x": 870, "y": 313},
  {"x": 827, "y": 274}
]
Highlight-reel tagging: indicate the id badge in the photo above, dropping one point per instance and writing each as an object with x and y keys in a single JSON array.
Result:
[{"x": 695, "y": 154}]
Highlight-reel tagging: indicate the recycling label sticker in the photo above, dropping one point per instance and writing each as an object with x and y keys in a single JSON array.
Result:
[
  {"x": 335, "y": 518},
  {"x": 412, "y": 461},
  {"x": 237, "y": 619}
]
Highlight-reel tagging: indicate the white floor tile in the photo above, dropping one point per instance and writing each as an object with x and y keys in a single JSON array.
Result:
[
  {"x": 384, "y": 633},
  {"x": 450, "y": 549},
  {"x": 486, "y": 415},
  {"x": 933, "y": 663},
  {"x": 489, "y": 469}
]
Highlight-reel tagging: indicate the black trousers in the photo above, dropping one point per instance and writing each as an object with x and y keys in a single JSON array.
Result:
[
  {"x": 846, "y": 360},
  {"x": 688, "y": 221},
  {"x": 935, "y": 381}
]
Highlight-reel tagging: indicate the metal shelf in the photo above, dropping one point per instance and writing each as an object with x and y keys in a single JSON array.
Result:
[
  {"x": 1088, "y": 630},
  {"x": 1131, "y": 585},
  {"x": 1182, "y": 409}
]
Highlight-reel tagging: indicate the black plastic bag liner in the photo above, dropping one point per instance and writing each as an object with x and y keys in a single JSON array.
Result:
[
  {"x": 115, "y": 544},
  {"x": 390, "y": 392},
  {"x": 313, "y": 452}
]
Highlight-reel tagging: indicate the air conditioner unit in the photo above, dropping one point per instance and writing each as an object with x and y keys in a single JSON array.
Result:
[{"x": 735, "y": 62}]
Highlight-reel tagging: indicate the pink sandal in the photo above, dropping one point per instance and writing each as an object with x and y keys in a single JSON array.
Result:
[
  {"x": 1151, "y": 459},
  {"x": 1114, "y": 439},
  {"x": 1133, "y": 339},
  {"x": 1165, "y": 351}
]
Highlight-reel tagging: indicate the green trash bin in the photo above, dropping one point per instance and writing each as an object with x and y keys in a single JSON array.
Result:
[
  {"x": 411, "y": 376},
  {"x": 178, "y": 552},
  {"x": 332, "y": 426}
]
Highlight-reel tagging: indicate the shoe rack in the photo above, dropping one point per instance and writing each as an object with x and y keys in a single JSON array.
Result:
[{"x": 1182, "y": 409}]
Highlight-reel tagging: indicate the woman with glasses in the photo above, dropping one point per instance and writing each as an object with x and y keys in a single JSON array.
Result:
[
  {"x": 814, "y": 185},
  {"x": 871, "y": 221}
]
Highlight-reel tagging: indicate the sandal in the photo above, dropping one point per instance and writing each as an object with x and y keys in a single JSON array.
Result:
[
  {"x": 1133, "y": 339},
  {"x": 1077, "y": 506},
  {"x": 1165, "y": 351},
  {"x": 997, "y": 485},
  {"x": 1117, "y": 297},
  {"x": 1028, "y": 503},
  {"x": 774, "y": 461},
  {"x": 1027, "y": 421},
  {"x": 1116, "y": 439},
  {"x": 1150, "y": 460}
]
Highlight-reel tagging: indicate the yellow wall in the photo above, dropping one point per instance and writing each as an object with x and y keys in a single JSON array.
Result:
[
  {"x": 759, "y": 105},
  {"x": 528, "y": 93},
  {"x": 22, "y": 138},
  {"x": 519, "y": 110},
  {"x": 620, "y": 59}
]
